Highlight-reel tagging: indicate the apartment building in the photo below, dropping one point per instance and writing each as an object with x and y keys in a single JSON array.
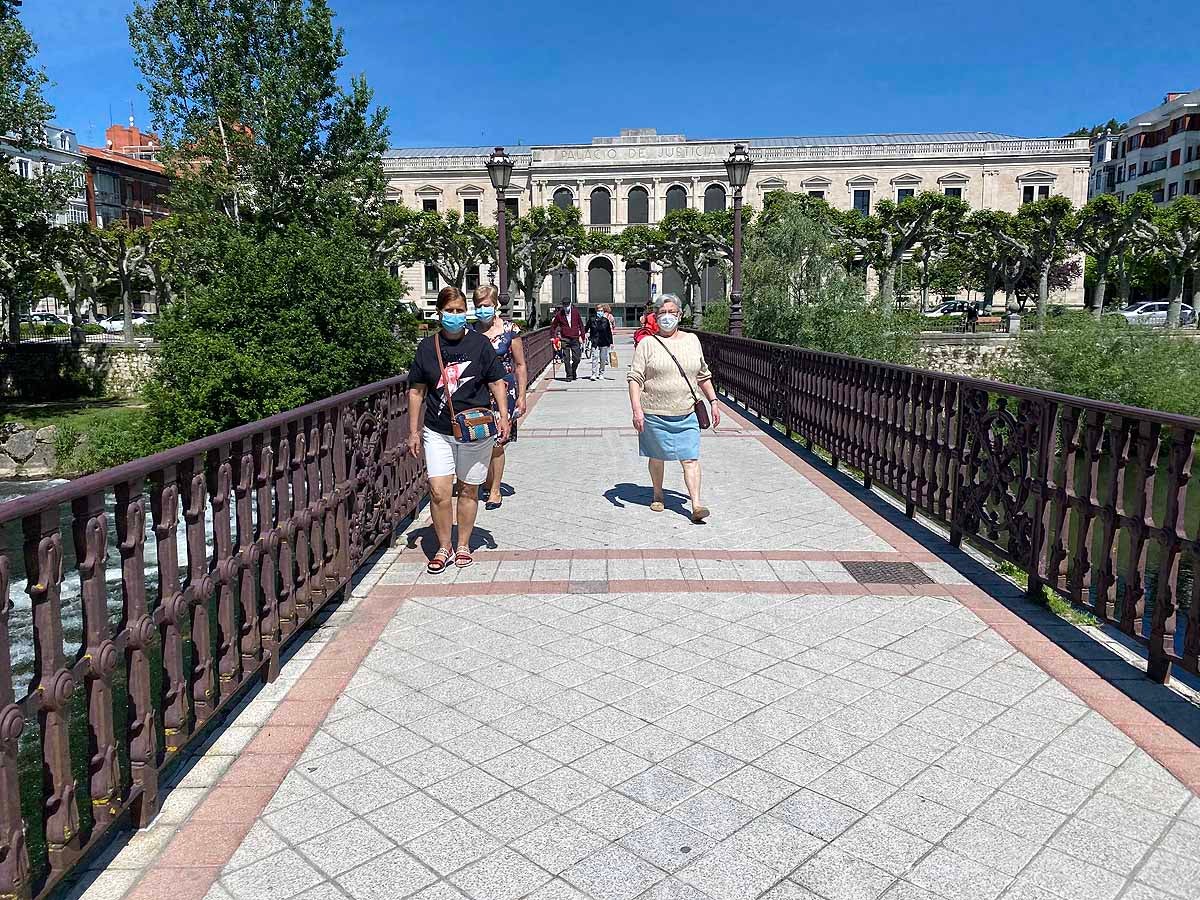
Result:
[
  {"x": 60, "y": 150},
  {"x": 1158, "y": 152}
]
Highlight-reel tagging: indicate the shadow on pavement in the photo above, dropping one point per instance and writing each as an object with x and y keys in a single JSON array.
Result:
[
  {"x": 1083, "y": 644},
  {"x": 642, "y": 495}
]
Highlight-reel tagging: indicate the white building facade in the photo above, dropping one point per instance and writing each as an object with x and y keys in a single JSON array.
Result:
[
  {"x": 60, "y": 150},
  {"x": 1158, "y": 152},
  {"x": 640, "y": 176}
]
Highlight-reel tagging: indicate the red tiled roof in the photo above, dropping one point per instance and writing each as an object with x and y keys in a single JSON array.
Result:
[{"x": 120, "y": 158}]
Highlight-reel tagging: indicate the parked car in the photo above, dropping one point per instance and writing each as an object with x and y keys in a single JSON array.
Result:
[
  {"x": 116, "y": 324},
  {"x": 45, "y": 318},
  {"x": 949, "y": 308},
  {"x": 1154, "y": 313}
]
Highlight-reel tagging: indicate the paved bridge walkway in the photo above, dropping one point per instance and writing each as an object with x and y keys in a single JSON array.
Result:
[{"x": 808, "y": 697}]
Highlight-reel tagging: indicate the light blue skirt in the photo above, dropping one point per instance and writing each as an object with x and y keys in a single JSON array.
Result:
[{"x": 670, "y": 437}]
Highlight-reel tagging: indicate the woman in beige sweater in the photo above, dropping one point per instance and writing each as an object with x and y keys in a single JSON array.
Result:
[{"x": 663, "y": 400}]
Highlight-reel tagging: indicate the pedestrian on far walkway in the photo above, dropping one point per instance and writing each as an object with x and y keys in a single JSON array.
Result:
[
  {"x": 568, "y": 326},
  {"x": 505, "y": 337},
  {"x": 601, "y": 335},
  {"x": 455, "y": 371},
  {"x": 972, "y": 317},
  {"x": 667, "y": 374}
]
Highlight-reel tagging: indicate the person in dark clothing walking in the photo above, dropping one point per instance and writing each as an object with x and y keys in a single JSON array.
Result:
[
  {"x": 601, "y": 335},
  {"x": 973, "y": 317},
  {"x": 568, "y": 327}
]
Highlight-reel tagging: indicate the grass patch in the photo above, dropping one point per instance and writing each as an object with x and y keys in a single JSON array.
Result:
[
  {"x": 77, "y": 414},
  {"x": 92, "y": 434},
  {"x": 1050, "y": 599}
]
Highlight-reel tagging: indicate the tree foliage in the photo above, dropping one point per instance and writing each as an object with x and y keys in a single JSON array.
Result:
[
  {"x": 799, "y": 292},
  {"x": 247, "y": 98},
  {"x": 450, "y": 242},
  {"x": 1172, "y": 235},
  {"x": 288, "y": 319},
  {"x": 1107, "y": 359},
  {"x": 27, "y": 204},
  {"x": 280, "y": 295},
  {"x": 545, "y": 239},
  {"x": 1106, "y": 229},
  {"x": 686, "y": 240}
]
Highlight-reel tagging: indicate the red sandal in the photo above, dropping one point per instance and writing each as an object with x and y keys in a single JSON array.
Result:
[
  {"x": 463, "y": 557},
  {"x": 440, "y": 561}
]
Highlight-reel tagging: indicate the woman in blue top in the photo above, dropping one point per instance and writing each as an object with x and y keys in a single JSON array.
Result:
[{"x": 505, "y": 337}]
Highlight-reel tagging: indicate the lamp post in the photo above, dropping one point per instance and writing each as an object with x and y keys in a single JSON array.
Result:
[
  {"x": 737, "y": 167},
  {"x": 500, "y": 166}
]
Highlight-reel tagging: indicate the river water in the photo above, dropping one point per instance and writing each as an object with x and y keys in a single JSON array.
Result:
[{"x": 21, "y": 621}]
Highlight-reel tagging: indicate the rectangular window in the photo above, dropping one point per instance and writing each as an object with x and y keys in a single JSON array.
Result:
[
  {"x": 1172, "y": 190},
  {"x": 471, "y": 206},
  {"x": 954, "y": 192},
  {"x": 472, "y": 280},
  {"x": 23, "y": 168},
  {"x": 394, "y": 270},
  {"x": 512, "y": 208},
  {"x": 904, "y": 193},
  {"x": 820, "y": 195},
  {"x": 1043, "y": 191},
  {"x": 1175, "y": 157},
  {"x": 862, "y": 202},
  {"x": 431, "y": 280},
  {"x": 429, "y": 204},
  {"x": 1189, "y": 153},
  {"x": 1027, "y": 194}
]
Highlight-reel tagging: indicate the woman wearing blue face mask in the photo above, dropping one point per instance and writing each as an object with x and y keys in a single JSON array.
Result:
[
  {"x": 505, "y": 337},
  {"x": 666, "y": 377},
  {"x": 454, "y": 366}
]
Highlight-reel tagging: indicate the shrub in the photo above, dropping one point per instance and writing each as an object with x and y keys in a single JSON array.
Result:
[
  {"x": 716, "y": 318},
  {"x": 1107, "y": 359},
  {"x": 286, "y": 319},
  {"x": 107, "y": 439}
]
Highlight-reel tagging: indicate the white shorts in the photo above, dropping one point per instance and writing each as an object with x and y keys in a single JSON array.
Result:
[{"x": 446, "y": 456}]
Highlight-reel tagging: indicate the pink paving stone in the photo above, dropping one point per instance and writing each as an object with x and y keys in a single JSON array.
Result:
[
  {"x": 300, "y": 712},
  {"x": 281, "y": 739},
  {"x": 268, "y": 769},
  {"x": 234, "y": 803},
  {"x": 191, "y": 883},
  {"x": 204, "y": 844}
]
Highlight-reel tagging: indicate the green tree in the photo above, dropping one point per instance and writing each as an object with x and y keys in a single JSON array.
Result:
[
  {"x": 1172, "y": 234},
  {"x": 278, "y": 214},
  {"x": 686, "y": 240},
  {"x": 545, "y": 239},
  {"x": 289, "y": 318},
  {"x": 887, "y": 237},
  {"x": 799, "y": 292},
  {"x": 27, "y": 204},
  {"x": 1042, "y": 237},
  {"x": 121, "y": 251},
  {"x": 1107, "y": 228},
  {"x": 78, "y": 272},
  {"x": 247, "y": 98},
  {"x": 982, "y": 254},
  {"x": 449, "y": 242}
]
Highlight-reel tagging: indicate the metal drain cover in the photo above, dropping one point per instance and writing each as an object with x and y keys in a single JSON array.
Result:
[{"x": 887, "y": 573}]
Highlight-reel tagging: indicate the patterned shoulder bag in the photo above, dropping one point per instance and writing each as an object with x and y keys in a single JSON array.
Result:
[{"x": 471, "y": 425}]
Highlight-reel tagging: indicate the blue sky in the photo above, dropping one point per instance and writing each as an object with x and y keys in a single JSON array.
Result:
[{"x": 564, "y": 71}]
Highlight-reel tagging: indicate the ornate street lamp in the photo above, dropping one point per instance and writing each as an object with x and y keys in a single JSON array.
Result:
[
  {"x": 500, "y": 167},
  {"x": 737, "y": 168}
]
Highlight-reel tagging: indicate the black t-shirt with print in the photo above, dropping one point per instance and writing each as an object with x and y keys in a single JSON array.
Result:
[{"x": 471, "y": 365}]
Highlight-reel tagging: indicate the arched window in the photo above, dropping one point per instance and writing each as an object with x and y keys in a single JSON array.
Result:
[
  {"x": 560, "y": 285},
  {"x": 676, "y": 198},
  {"x": 639, "y": 206},
  {"x": 563, "y": 198},
  {"x": 673, "y": 283},
  {"x": 600, "y": 281},
  {"x": 601, "y": 207},
  {"x": 637, "y": 284},
  {"x": 714, "y": 197},
  {"x": 713, "y": 287}
]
